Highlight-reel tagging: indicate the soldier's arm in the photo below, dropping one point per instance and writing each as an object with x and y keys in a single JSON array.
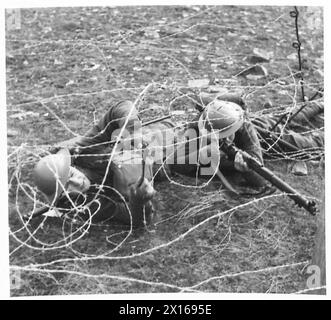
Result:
[
  {"x": 101, "y": 133},
  {"x": 247, "y": 140},
  {"x": 115, "y": 118}
]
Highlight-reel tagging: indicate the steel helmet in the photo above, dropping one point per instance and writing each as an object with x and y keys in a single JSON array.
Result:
[
  {"x": 224, "y": 117},
  {"x": 52, "y": 172}
]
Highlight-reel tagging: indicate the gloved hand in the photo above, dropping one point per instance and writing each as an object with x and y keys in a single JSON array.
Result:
[
  {"x": 54, "y": 149},
  {"x": 70, "y": 144},
  {"x": 239, "y": 163},
  {"x": 74, "y": 151},
  {"x": 140, "y": 203}
]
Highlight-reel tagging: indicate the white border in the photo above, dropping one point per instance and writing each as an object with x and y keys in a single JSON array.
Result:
[{"x": 4, "y": 273}]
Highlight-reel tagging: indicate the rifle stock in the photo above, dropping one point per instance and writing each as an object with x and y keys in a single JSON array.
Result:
[{"x": 267, "y": 174}]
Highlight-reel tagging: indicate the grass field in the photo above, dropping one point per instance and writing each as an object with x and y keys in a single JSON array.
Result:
[{"x": 63, "y": 67}]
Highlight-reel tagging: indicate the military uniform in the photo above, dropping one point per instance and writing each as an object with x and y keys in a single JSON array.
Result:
[
  {"x": 311, "y": 117},
  {"x": 92, "y": 151},
  {"x": 305, "y": 131},
  {"x": 249, "y": 138},
  {"x": 112, "y": 179},
  {"x": 91, "y": 154},
  {"x": 245, "y": 138}
]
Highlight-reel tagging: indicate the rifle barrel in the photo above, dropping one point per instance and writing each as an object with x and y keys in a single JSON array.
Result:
[
  {"x": 156, "y": 120},
  {"x": 267, "y": 174}
]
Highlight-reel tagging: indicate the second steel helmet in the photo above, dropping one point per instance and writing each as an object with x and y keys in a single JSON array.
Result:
[
  {"x": 222, "y": 117},
  {"x": 52, "y": 172}
]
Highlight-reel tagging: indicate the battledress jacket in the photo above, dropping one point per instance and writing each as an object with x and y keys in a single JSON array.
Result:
[
  {"x": 91, "y": 154},
  {"x": 246, "y": 139},
  {"x": 304, "y": 132}
]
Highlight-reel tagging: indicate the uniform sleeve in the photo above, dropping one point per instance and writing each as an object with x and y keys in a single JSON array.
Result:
[
  {"x": 247, "y": 140},
  {"x": 92, "y": 150},
  {"x": 308, "y": 115},
  {"x": 115, "y": 118}
]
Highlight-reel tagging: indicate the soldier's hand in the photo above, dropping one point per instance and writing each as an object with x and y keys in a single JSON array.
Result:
[
  {"x": 143, "y": 192},
  {"x": 73, "y": 150},
  {"x": 239, "y": 162},
  {"x": 146, "y": 190},
  {"x": 54, "y": 149}
]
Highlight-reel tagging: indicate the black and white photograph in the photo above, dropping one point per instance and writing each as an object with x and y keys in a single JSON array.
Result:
[{"x": 165, "y": 149}]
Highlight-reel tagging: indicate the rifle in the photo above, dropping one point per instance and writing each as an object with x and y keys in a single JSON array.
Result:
[
  {"x": 144, "y": 124},
  {"x": 267, "y": 174}
]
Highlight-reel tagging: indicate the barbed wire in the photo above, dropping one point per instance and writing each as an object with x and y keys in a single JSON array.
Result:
[
  {"x": 168, "y": 285},
  {"x": 22, "y": 157}
]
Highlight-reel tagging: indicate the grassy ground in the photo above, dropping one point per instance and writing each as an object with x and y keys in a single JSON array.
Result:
[{"x": 64, "y": 66}]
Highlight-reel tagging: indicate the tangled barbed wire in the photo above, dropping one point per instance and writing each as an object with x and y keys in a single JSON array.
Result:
[{"x": 70, "y": 237}]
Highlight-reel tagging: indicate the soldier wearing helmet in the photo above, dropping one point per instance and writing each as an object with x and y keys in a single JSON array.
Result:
[
  {"x": 219, "y": 120},
  {"x": 84, "y": 167},
  {"x": 223, "y": 117},
  {"x": 79, "y": 173}
]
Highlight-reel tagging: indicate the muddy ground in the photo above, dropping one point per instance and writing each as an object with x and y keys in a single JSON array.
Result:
[{"x": 64, "y": 66}]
